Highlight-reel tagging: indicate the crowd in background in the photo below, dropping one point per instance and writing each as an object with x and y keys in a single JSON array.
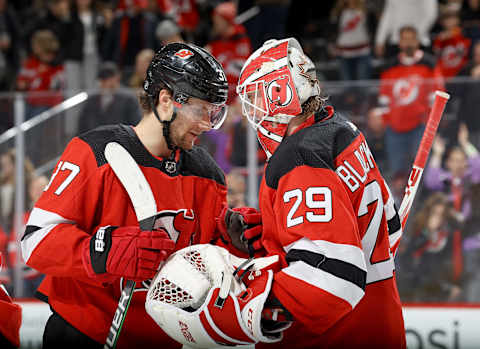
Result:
[{"x": 53, "y": 49}]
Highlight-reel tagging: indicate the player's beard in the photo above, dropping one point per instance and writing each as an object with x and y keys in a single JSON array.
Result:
[{"x": 181, "y": 137}]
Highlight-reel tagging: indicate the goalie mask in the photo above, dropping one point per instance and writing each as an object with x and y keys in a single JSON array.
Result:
[{"x": 274, "y": 85}]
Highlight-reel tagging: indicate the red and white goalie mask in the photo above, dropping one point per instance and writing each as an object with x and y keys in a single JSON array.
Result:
[{"x": 276, "y": 80}]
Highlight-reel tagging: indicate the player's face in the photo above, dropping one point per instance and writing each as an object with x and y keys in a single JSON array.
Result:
[{"x": 193, "y": 118}]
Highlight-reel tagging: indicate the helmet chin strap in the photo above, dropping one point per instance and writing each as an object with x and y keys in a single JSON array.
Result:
[{"x": 166, "y": 126}]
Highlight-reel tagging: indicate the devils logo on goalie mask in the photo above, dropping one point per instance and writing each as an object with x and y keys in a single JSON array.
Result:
[{"x": 279, "y": 93}]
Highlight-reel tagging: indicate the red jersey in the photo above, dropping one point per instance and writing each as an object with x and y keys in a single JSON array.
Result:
[
  {"x": 185, "y": 13},
  {"x": 10, "y": 316},
  {"x": 406, "y": 90},
  {"x": 83, "y": 195},
  {"x": 452, "y": 52},
  {"x": 328, "y": 213},
  {"x": 232, "y": 52},
  {"x": 44, "y": 80}
]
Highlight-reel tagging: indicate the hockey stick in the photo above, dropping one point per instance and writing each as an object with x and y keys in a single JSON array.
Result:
[
  {"x": 413, "y": 182},
  {"x": 141, "y": 196}
]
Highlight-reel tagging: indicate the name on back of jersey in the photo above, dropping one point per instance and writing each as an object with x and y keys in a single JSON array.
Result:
[{"x": 354, "y": 170}]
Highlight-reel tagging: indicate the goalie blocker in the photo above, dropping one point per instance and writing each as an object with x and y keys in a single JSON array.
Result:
[{"x": 203, "y": 297}]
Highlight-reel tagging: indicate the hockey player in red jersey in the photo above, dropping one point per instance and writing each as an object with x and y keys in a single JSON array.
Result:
[
  {"x": 326, "y": 210},
  {"x": 83, "y": 232}
]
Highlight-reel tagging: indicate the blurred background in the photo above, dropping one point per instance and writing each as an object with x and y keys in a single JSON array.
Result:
[{"x": 67, "y": 66}]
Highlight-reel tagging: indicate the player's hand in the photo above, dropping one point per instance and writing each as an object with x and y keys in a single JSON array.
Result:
[
  {"x": 242, "y": 227},
  {"x": 125, "y": 252}
]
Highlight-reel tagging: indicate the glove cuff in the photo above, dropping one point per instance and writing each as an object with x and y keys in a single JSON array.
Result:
[
  {"x": 252, "y": 311},
  {"x": 95, "y": 252}
]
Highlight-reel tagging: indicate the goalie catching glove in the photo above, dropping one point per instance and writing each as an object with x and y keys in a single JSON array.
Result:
[
  {"x": 198, "y": 302},
  {"x": 241, "y": 227},
  {"x": 127, "y": 252}
]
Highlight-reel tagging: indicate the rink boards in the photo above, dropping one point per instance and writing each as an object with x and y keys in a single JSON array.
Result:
[{"x": 427, "y": 326}]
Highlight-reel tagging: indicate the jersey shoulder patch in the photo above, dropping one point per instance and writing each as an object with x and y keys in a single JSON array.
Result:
[{"x": 316, "y": 146}]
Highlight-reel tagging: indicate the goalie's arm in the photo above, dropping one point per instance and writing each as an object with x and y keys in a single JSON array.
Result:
[{"x": 324, "y": 275}]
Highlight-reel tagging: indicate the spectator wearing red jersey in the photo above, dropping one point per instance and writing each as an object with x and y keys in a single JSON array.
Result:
[
  {"x": 406, "y": 92},
  {"x": 229, "y": 43},
  {"x": 186, "y": 14},
  {"x": 451, "y": 46},
  {"x": 40, "y": 75}
]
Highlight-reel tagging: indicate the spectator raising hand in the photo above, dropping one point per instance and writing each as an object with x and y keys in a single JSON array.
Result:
[
  {"x": 438, "y": 149},
  {"x": 461, "y": 169}
]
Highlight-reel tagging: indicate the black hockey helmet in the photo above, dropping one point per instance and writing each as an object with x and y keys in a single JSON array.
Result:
[{"x": 188, "y": 71}]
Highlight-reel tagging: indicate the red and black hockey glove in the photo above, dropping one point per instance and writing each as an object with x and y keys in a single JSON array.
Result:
[
  {"x": 125, "y": 252},
  {"x": 242, "y": 227}
]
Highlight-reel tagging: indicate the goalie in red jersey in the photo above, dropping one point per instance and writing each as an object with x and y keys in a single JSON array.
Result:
[{"x": 326, "y": 210}]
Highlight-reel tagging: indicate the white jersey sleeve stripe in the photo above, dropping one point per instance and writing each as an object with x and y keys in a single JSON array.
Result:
[
  {"x": 46, "y": 221},
  {"x": 42, "y": 218},
  {"x": 338, "y": 287},
  {"x": 343, "y": 252}
]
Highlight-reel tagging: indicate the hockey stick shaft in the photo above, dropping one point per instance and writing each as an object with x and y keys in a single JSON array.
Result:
[
  {"x": 141, "y": 196},
  {"x": 413, "y": 182},
  {"x": 439, "y": 103}
]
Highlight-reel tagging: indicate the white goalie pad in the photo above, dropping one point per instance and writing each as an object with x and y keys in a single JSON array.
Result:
[{"x": 186, "y": 287}]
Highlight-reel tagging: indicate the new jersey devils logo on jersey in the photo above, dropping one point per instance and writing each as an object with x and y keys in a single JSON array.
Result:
[
  {"x": 279, "y": 92},
  {"x": 176, "y": 223},
  {"x": 405, "y": 91},
  {"x": 180, "y": 225},
  {"x": 453, "y": 55}
]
